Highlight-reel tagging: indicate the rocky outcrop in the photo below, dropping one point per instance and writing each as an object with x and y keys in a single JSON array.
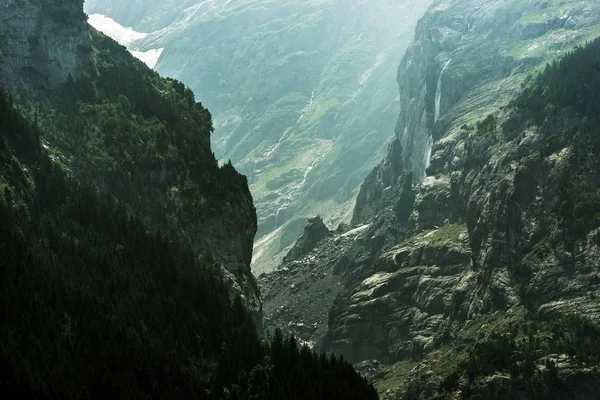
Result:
[
  {"x": 42, "y": 45},
  {"x": 387, "y": 186},
  {"x": 314, "y": 231}
]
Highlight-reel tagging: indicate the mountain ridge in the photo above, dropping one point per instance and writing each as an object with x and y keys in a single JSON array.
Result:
[{"x": 295, "y": 87}]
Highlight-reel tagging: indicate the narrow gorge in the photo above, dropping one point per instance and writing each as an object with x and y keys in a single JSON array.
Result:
[{"x": 416, "y": 213}]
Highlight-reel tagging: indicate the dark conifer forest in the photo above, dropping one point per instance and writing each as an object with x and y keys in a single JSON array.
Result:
[
  {"x": 568, "y": 90},
  {"x": 96, "y": 304}
]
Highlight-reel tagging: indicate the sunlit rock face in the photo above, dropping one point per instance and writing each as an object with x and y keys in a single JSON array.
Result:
[
  {"x": 451, "y": 75},
  {"x": 303, "y": 94}
]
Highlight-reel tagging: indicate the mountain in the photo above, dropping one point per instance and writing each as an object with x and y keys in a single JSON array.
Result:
[
  {"x": 470, "y": 266},
  {"x": 128, "y": 148},
  {"x": 303, "y": 94},
  {"x": 124, "y": 247}
]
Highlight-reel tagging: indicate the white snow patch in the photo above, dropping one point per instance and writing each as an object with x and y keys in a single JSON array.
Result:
[
  {"x": 110, "y": 27},
  {"x": 125, "y": 36}
]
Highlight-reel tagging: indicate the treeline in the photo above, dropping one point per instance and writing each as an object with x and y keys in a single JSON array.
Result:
[
  {"x": 520, "y": 350},
  {"x": 292, "y": 372},
  {"x": 572, "y": 82},
  {"x": 95, "y": 304},
  {"x": 564, "y": 102}
]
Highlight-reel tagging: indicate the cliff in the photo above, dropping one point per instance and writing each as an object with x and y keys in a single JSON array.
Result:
[
  {"x": 458, "y": 237},
  {"x": 42, "y": 47}
]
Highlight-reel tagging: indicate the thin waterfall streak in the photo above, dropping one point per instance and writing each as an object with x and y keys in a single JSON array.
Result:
[{"x": 438, "y": 92}]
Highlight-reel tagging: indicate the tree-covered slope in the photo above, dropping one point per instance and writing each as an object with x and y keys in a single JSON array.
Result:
[
  {"x": 112, "y": 122},
  {"x": 95, "y": 304},
  {"x": 121, "y": 239},
  {"x": 303, "y": 94}
]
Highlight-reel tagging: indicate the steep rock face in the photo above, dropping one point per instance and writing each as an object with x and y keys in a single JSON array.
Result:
[
  {"x": 302, "y": 94},
  {"x": 468, "y": 58},
  {"x": 40, "y": 49},
  {"x": 398, "y": 312},
  {"x": 483, "y": 248},
  {"x": 386, "y": 186},
  {"x": 168, "y": 175},
  {"x": 518, "y": 267}
]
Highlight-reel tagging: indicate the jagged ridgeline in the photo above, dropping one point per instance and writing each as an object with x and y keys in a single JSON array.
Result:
[{"x": 118, "y": 249}]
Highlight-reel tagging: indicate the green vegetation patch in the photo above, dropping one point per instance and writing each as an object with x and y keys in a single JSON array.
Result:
[
  {"x": 500, "y": 321},
  {"x": 514, "y": 348},
  {"x": 394, "y": 377},
  {"x": 568, "y": 89},
  {"x": 447, "y": 234}
]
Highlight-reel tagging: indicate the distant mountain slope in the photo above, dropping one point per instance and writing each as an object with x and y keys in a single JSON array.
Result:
[{"x": 303, "y": 94}]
